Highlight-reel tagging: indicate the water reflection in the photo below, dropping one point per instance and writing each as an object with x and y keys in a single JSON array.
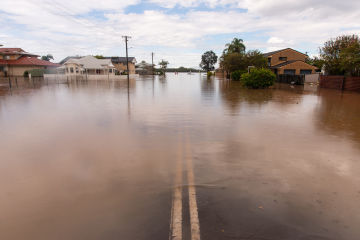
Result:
[
  {"x": 234, "y": 95},
  {"x": 339, "y": 113},
  {"x": 95, "y": 160}
]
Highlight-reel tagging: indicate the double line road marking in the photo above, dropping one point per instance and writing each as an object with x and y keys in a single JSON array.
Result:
[{"x": 176, "y": 221}]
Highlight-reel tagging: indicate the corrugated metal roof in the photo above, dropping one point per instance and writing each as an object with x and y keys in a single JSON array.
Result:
[{"x": 90, "y": 62}]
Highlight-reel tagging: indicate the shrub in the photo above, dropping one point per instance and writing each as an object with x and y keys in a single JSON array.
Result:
[
  {"x": 209, "y": 74},
  {"x": 258, "y": 78},
  {"x": 236, "y": 75},
  {"x": 36, "y": 72}
]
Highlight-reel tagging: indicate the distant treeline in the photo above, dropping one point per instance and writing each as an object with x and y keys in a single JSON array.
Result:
[{"x": 182, "y": 69}]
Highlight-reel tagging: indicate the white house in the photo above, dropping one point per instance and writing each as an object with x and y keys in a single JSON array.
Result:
[{"x": 88, "y": 65}]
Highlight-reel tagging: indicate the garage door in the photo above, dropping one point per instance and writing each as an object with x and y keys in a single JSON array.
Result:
[
  {"x": 305, "y": 71},
  {"x": 289, "y": 71}
]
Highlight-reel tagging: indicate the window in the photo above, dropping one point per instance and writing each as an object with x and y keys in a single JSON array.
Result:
[
  {"x": 72, "y": 70},
  {"x": 6, "y": 57},
  {"x": 77, "y": 70},
  {"x": 110, "y": 70},
  {"x": 282, "y": 58},
  {"x": 269, "y": 61},
  {"x": 98, "y": 71}
]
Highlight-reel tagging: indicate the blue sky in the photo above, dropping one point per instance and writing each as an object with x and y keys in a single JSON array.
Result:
[{"x": 176, "y": 30}]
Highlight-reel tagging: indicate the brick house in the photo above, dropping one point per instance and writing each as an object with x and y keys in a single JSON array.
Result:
[
  {"x": 289, "y": 61},
  {"x": 120, "y": 64},
  {"x": 15, "y": 62}
]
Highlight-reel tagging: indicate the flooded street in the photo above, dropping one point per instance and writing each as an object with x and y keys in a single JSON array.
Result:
[{"x": 98, "y": 160}]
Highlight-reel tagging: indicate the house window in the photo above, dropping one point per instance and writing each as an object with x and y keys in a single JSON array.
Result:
[
  {"x": 6, "y": 57},
  {"x": 77, "y": 70},
  {"x": 110, "y": 70},
  {"x": 72, "y": 70},
  {"x": 98, "y": 71},
  {"x": 282, "y": 58},
  {"x": 269, "y": 61}
]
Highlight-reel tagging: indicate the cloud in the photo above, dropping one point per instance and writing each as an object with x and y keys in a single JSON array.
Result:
[{"x": 69, "y": 27}]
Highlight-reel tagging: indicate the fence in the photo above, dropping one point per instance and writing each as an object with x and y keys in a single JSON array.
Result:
[
  {"x": 340, "y": 83},
  {"x": 292, "y": 79},
  {"x": 88, "y": 77}
]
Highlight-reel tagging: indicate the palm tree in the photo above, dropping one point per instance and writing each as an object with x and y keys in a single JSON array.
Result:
[{"x": 236, "y": 46}]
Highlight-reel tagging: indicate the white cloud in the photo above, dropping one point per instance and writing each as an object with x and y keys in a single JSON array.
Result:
[{"x": 63, "y": 27}]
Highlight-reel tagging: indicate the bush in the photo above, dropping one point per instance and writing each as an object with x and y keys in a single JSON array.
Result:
[
  {"x": 258, "y": 78},
  {"x": 35, "y": 73},
  {"x": 209, "y": 74},
  {"x": 236, "y": 75}
]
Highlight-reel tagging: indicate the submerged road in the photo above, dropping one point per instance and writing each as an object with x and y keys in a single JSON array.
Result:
[{"x": 181, "y": 158}]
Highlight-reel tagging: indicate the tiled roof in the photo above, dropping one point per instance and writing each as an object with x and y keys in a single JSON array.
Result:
[
  {"x": 12, "y": 51},
  {"x": 28, "y": 61},
  {"x": 274, "y": 52},
  {"x": 121, "y": 59},
  {"x": 287, "y": 63}
]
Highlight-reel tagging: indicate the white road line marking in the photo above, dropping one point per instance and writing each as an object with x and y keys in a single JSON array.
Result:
[
  {"x": 194, "y": 216},
  {"x": 176, "y": 210}
]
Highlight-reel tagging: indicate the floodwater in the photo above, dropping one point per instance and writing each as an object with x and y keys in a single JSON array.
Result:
[{"x": 98, "y": 160}]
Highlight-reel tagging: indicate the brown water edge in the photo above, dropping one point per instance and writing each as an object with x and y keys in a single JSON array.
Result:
[{"x": 92, "y": 160}]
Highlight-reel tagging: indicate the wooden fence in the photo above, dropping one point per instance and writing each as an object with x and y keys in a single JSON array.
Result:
[{"x": 340, "y": 83}]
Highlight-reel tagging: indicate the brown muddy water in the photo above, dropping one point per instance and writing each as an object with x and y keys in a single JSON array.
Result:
[{"x": 97, "y": 160}]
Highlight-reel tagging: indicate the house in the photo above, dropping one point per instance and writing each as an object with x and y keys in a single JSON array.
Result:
[
  {"x": 120, "y": 64},
  {"x": 144, "y": 68},
  {"x": 88, "y": 65},
  {"x": 289, "y": 61},
  {"x": 15, "y": 62}
]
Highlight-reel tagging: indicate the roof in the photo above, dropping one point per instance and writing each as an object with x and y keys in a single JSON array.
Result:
[
  {"x": 12, "y": 51},
  {"x": 90, "y": 62},
  {"x": 274, "y": 52},
  {"x": 28, "y": 61},
  {"x": 121, "y": 59},
  {"x": 67, "y": 58},
  {"x": 289, "y": 62}
]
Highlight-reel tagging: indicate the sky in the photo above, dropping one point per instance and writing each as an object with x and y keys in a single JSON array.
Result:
[{"x": 179, "y": 31}]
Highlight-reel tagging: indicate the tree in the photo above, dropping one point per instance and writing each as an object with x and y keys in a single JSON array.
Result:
[
  {"x": 163, "y": 65},
  {"x": 99, "y": 56},
  {"x": 236, "y": 46},
  {"x": 47, "y": 57},
  {"x": 342, "y": 55},
  {"x": 315, "y": 61},
  {"x": 208, "y": 60}
]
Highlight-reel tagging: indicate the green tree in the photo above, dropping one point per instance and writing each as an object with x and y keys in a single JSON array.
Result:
[
  {"x": 315, "y": 61},
  {"x": 99, "y": 56},
  {"x": 342, "y": 55},
  {"x": 163, "y": 65},
  {"x": 47, "y": 57},
  {"x": 208, "y": 60},
  {"x": 236, "y": 46}
]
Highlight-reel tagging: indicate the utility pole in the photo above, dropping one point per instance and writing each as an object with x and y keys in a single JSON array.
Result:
[
  {"x": 152, "y": 62},
  {"x": 127, "y": 58}
]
